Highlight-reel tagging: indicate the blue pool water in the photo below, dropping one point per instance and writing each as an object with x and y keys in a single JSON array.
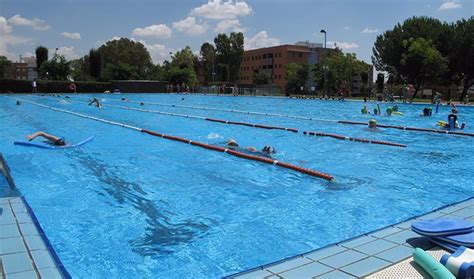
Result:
[{"x": 131, "y": 205}]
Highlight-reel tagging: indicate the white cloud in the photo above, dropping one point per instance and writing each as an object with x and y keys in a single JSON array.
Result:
[
  {"x": 35, "y": 23},
  {"x": 369, "y": 31},
  {"x": 158, "y": 31},
  {"x": 260, "y": 40},
  {"x": 347, "y": 28},
  {"x": 449, "y": 5},
  {"x": 229, "y": 25},
  {"x": 344, "y": 45},
  {"x": 218, "y": 9},
  {"x": 7, "y": 39},
  {"x": 190, "y": 26},
  {"x": 4, "y": 27},
  {"x": 67, "y": 51},
  {"x": 72, "y": 36}
]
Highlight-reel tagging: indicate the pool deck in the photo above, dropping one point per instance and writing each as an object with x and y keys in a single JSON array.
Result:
[
  {"x": 25, "y": 251},
  {"x": 360, "y": 256}
]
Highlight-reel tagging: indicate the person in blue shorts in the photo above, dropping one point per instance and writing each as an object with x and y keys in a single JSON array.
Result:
[{"x": 52, "y": 138}]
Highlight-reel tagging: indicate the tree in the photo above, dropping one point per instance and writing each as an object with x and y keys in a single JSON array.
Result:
[
  {"x": 296, "y": 77},
  {"x": 462, "y": 53},
  {"x": 124, "y": 59},
  {"x": 56, "y": 69},
  {"x": 5, "y": 68},
  {"x": 339, "y": 69},
  {"x": 41, "y": 56},
  {"x": 80, "y": 69},
  {"x": 95, "y": 63},
  {"x": 178, "y": 75},
  {"x": 183, "y": 58},
  {"x": 260, "y": 78},
  {"x": 229, "y": 52},
  {"x": 390, "y": 47},
  {"x": 207, "y": 59},
  {"x": 422, "y": 62}
]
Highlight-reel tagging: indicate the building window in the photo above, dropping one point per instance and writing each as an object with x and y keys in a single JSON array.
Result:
[
  {"x": 279, "y": 76},
  {"x": 300, "y": 54}
]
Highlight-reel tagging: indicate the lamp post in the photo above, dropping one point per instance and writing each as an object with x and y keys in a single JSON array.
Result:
[
  {"x": 213, "y": 67},
  {"x": 324, "y": 32}
]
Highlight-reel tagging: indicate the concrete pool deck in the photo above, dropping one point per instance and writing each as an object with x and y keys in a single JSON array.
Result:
[
  {"x": 363, "y": 255},
  {"x": 25, "y": 251}
]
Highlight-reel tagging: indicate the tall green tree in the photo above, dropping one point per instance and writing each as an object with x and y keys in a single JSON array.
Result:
[
  {"x": 461, "y": 56},
  {"x": 208, "y": 59},
  {"x": 57, "y": 68},
  {"x": 296, "y": 77},
  {"x": 229, "y": 52},
  {"x": 339, "y": 69},
  {"x": 125, "y": 59},
  {"x": 260, "y": 78},
  {"x": 183, "y": 58},
  {"x": 5, "y": 68},
  {"x": 95, "y": 63},
  {"x": 422, "y": 61},
  {"x": 41, "y": 56},
  {"x": 389, "y": 47},
  {"x": 80, "y": 69}
]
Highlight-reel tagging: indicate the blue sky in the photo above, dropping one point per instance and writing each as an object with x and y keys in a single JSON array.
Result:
[{"x": 164, "y": 26}]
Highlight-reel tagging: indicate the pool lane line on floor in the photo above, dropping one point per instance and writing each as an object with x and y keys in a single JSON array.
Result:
[
  {"x": 409, "y": 128},
  {"x": 361, "y": 140},
  {"x": 195, "y": 143}
]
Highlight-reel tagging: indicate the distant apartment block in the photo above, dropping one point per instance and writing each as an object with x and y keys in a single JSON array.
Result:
[
  {"x": 272, "y": 61},
  {"x": 25, "y": 68}
]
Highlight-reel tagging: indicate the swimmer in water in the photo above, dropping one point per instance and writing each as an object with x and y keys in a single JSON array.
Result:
[
  {"x": 364, "y": 110},
  {"x": 267, "y": 150},
  {"x": 372, "y": 124},
  {"x": 377, "y": 111},
  {"x": 96, "y": 101},
  {"x": 52, "y": 138}
]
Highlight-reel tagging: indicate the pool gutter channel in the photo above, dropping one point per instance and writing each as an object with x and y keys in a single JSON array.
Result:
[{"x": 301, "y": 255}]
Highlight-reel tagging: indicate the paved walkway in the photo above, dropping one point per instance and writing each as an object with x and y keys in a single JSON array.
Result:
[
  {"x": 360, "y": 256},
  {"x": 25, "y": 251}
]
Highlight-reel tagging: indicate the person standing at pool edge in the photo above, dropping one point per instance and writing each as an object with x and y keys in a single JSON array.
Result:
[{"x": 33, "y": 85}]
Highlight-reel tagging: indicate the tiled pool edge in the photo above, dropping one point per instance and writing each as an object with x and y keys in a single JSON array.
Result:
[
  {"x": 262, "y": 272},
  {"x": 45, "y": 238},
  {"x": 26, "y": 250}
]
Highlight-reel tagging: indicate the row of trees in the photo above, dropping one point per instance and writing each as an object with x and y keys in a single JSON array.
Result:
[
  {"x": 426, "y": 52},
  {"x": 126, "y": 59}
]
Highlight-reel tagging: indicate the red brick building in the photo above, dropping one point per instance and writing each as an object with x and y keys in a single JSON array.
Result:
[
  {"x": 272, "y": 61},
  {"x": 25, "y": 68}
]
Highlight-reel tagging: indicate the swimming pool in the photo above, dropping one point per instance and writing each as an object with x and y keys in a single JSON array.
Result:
[{"x": 132, "y": 205}]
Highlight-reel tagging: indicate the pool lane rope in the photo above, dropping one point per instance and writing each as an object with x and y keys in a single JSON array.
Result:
[
  {"x": 340, "y": 137},
  {"x": 230, "y": 110},
  {"x": 194, "y": 143},
  {"x": 260, "y": 126},
  {"x": 410, "y": 128},
  {"x": 268, "y": 127}
]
